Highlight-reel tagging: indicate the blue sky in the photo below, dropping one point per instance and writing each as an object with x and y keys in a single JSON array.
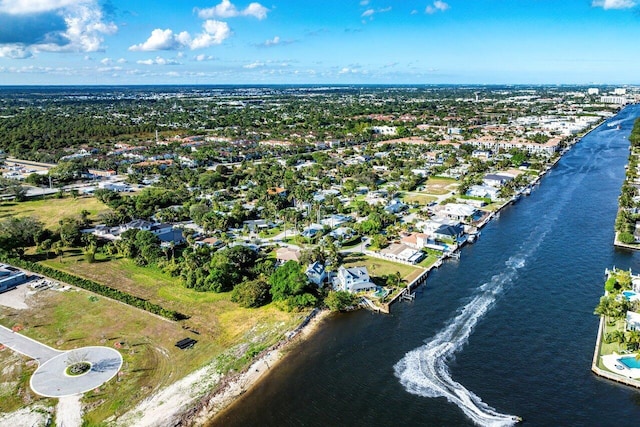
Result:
[{"x": 321, "y": 41}]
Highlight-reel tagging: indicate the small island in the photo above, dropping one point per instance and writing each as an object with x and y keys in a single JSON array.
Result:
[{"x": 616, "y": 356}]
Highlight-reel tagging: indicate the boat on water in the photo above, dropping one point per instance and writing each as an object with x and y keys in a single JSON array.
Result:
[
  {"x": 618, "y": 127},
  {"x": 527, "y": 191}
]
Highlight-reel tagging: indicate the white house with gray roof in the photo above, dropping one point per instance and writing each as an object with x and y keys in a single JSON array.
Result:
[{"x": 354, "y": 279}]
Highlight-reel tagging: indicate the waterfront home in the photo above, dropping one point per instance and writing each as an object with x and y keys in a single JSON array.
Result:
[
  {"x": 354, "y": 279},
  {"x": 415, "y": 240},
  {"x": 403, "y": 253},
  {"x": 448, "y": 232},
  {"x": 458, "y": 211},
  {"x": 316, "y": 273},
  {"x": 632, "y": 321}
]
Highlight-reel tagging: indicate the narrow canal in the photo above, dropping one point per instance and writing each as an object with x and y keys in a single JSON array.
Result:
[{"x": 508, "y": 330}]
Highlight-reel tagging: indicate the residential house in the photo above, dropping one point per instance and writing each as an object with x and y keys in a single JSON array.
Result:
[
  {"x": 277, "y": 191},
  {"x": 403, "y": 253},
  {"x": 395, "y": 206},
  {"x": 632, "y": 321},
  {"x": 316, "y": 273},
  {"x": 458, "y": 211},
  {"x": 312, "y": 230},
  {"x": 484, "y": 191},
  {"x": 496, "y": 180},
  {"x": 336, "y": 220},
  {"x": 448, "y": 232},
  {"x": 415, "y": 240},
  {"x": 354, "y": 279},
  {"x": 285, "y": 254}
]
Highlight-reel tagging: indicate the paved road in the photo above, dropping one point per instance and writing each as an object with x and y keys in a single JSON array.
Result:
[
  {"x": 50, "y": 379},
  {"x": 25, "y": 345}
]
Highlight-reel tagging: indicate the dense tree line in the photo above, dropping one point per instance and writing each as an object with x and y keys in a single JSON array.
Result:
[{"x": 94, "y": 287}]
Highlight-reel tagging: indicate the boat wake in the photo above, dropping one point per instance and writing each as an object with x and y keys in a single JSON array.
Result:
[{"x": 424, "y": 371}]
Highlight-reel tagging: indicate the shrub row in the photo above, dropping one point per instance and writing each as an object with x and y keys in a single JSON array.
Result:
[{"x": 95, "y": 287}]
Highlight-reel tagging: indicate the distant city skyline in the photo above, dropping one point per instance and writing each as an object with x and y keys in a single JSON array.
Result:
[{"x": 107, "y": 42}]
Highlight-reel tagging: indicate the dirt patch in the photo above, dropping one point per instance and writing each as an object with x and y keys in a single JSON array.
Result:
[{"x": 15, "y": 298}]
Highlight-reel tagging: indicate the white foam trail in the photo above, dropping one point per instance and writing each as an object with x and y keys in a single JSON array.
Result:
[{"x": 424, "y": 371}]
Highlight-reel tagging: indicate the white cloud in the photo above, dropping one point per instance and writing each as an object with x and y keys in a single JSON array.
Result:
[
  {"x": 273, "y": 42},
  {"x": 253, "y": 65},
  {"x": 226, "y": 9},
  {"x": 437, "y": 6},
  {"x": 25, "y": 7},
  {"x": 159, "y": 40},
  {"x": 371, "y": 12},
  {"x": 215, "y": 32},
  {"x": 53, "y": 25},
  {"x": 158, "y": 61},
  {"x": 614, "y": 4},
  {"x": 14, "y": 52},
  {"x": 368, "y": 12},
  {"x": 203, "y": 57}
]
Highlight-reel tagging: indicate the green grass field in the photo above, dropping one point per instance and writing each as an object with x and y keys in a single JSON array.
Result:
[{"x": 52, "y": 210}]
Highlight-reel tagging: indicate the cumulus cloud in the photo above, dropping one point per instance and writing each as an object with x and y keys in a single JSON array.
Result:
[
  {"x": 226, "y": 9},
  {"x": 215, "y": 32},
  {"x": 614, "y": 4},
  {"x": 30, "y": 26},
  {"x": 14, "y": 52},
  {"x": 158, "y": 61},
  {"x": 25, "y": 7},
  {"x": 437, "y": 6}
]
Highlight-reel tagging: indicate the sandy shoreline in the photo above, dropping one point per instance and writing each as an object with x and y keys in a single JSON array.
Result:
[{"x": 202, "y": 395}]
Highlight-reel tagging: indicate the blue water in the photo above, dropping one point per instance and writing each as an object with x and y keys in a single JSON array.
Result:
[
  {"x": 508, "y": 330},
  {"x": 630, "y": 362},
  {"x": 629, "y": 294}
]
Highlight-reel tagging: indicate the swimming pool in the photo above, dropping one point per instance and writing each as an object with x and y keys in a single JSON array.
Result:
[
  {"x": 629, "y": 295},
  {"x": 630, "y": 362}
]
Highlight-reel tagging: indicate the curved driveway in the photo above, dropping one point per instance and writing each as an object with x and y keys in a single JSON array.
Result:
[{"x": 50, "y": 379}]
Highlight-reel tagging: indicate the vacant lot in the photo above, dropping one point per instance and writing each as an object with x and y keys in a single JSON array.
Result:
[
  {"x": 440, "y": 186},
  {"x": 226, "y": 333},
  {"x": 411, "y": 197},
  {"x": 52, "y": 210}
]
